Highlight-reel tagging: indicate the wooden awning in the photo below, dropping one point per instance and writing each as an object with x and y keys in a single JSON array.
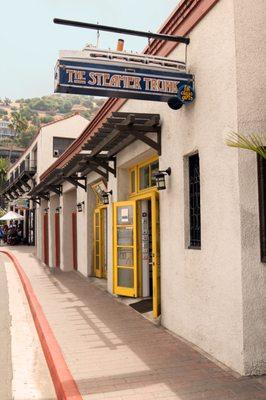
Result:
[
  {"x": 118, "y": 132},
  {"x": 18, "y": 186},
  {"x": 122, "y": 129}
]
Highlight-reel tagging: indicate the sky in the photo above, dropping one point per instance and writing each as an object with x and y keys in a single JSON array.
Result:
[{"x": 30, "y": 41}]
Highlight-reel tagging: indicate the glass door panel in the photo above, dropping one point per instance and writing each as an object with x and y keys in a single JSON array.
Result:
[{"x": 125, "y": 257}]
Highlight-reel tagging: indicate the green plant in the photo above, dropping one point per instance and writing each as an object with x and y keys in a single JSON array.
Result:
[
  {"x": 251, "y": 142},
  {"x": 19, "y": 124},
  {"x": 4, "y": 164},
  {"x": 6, "y": 101}
]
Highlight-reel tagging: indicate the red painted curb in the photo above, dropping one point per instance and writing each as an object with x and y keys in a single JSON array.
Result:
[{"x": 65, "y": 386}]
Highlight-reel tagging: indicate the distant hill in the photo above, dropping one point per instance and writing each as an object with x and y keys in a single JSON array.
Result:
[{"x": 39, "y": 111}]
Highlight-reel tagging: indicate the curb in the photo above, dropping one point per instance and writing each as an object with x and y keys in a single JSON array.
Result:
[{"x": 64, "y": 383}]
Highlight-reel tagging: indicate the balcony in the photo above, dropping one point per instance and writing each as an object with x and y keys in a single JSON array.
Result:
[{"x": 28, "y": 166}]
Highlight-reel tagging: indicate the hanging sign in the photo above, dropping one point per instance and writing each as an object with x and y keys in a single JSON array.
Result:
[{"x": 118, "y": 80}]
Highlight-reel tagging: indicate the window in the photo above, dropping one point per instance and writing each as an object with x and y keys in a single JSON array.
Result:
[
  {"x": 194, "y": 202},
  {"x": 262, "y": 205},
  {"x": 133, "y": 181},
  {"x": 142, "y": 176},
  {"x": 60, "y": 145},
  {"x": 146, "y": 173}
]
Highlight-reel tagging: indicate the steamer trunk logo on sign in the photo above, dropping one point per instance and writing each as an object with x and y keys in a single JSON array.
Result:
[{"x": 94, "y": 76}]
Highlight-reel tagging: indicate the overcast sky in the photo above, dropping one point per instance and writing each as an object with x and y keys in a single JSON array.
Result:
[{"x": 29, "y": 41}]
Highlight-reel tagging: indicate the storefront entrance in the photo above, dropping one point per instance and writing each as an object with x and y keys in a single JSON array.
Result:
[
  {"x": 136, "y": 248},
  {"x": 100, "y": 242}
]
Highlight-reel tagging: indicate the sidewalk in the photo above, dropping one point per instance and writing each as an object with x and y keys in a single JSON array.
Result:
[{"x": 114, "y": 353}]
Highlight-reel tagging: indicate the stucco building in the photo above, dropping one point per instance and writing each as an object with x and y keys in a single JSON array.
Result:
[
  {"x": 196, "y": 250},
  {"x": 49, "y": 143}
]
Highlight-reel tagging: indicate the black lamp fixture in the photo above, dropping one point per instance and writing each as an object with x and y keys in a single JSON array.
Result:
[
  {"x": 105, "y": 196},
  {"x": 80, "y": 206},
  {"x": 160, "y": 178},
  {"x": 46, "y": 210},
  {"x": 58, "y": 210}
]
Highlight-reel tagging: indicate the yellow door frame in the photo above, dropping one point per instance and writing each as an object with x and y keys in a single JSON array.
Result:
[
  {"x": 152, "y": 195},
  {"x": 101, "y": 226},
  {"x": 122, "y": 290}
]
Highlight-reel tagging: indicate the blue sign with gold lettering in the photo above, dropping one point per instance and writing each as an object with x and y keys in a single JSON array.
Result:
[{"x": 144, "y": 83}]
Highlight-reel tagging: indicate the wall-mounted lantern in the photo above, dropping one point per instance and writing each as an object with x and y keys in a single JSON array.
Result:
[
  {"x": 105, "y": 197},
  {"x": 80, "y": 206},
  {"x": 46, "y": 210},
  {"x": 160, "y": 178},
  {"x": 58, "y": 210}
]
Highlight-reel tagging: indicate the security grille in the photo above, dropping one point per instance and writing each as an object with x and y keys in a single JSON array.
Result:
[
  {"x": 262, "y": 205},
  {"x": 60, "y": 145},
  {"x": 194, "y": 201}
]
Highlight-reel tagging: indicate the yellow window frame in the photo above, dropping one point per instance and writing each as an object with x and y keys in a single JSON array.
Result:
[{"x": 136, "y": 169}]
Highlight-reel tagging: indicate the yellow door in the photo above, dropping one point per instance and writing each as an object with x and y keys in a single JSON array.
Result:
[
  {"x": 97, "y": 244},
  {"x": 100, "y": 242},
  {"x": 156, "y": 298},
  {"x": 125, "y": 249}
]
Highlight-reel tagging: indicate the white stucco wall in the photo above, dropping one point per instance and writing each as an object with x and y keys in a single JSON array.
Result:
[
  {"x": 250, "y": 28},
  {"x": 70, "y": 127},
  {"x": 68, "y": 201},
  {"x": 85, "y": 227},
  {"x": 66, "y": 128},
  {"x": 203, "y": 293},
  {"x": 53, "y": 204}
]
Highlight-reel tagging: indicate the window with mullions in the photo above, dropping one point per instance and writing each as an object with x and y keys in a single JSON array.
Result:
[
  {"x": 194, "y": 202},
  {"x": 146, "y": 174},
  {"x": 262, "y": 205}
]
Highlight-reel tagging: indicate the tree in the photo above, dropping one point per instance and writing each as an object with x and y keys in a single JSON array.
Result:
[
  {"x": 252, "y": 142},
  {"x": 2, "y": 112},
  {"x": 4, "y": 164},
  {"x": 19, "y": 125},
  {"x": 7, "y": 101}
]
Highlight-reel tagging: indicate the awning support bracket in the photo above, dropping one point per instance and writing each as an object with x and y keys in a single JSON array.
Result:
[{"x": 75, "y": 181}]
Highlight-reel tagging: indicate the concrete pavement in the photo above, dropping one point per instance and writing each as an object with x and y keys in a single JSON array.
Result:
[
  {"x": 5, "y": 340},
  {"x": 24, "y": 370},
  {"x": 113, "y": 353}
]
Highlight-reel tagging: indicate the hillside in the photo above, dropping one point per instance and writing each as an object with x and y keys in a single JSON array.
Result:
[{"x": 30, "y": 114}]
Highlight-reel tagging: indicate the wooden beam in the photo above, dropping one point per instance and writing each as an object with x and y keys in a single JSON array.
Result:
[
  {"x": 150, "y": 142},
  {"x": 27, "y": 186},
  {"x": 118, "y": 114},
  {"x": 138, "y": 128},
  {"x": 93, "y": 167},
  {"x": 75, "y": 182},
  {"x": 76, "y": 167},
  {"x": 111, "y": 137},
  {"x": 35, "y": 201},
  {"x": 131, "y": 138},
  {"x": 44, "y": 196},
  {"x": 104, "y": 164},
  {"x": 55, "y": 189}
]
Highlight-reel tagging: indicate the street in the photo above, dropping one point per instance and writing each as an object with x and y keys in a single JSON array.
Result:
[{"x": 24, "y": 374}]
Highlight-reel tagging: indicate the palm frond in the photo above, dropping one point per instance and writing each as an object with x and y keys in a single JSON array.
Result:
[{"x": 252, "y": 142}]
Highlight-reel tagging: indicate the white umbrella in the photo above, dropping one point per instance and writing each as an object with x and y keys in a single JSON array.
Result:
[{"x": 11, "y": 215}]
